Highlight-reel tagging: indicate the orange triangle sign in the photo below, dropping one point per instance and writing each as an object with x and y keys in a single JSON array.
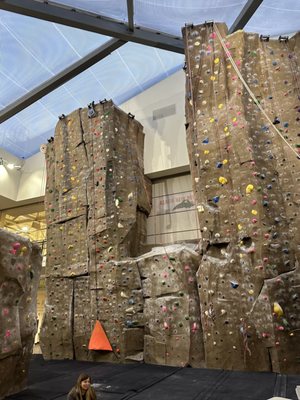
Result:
[{"x": 99, "y": 340}]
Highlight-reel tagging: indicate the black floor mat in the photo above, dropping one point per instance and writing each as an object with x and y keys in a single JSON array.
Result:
[{"x": 49, "y": 380}]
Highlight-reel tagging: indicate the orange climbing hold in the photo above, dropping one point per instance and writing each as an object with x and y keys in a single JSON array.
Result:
[{"x": 99, "y": 340}]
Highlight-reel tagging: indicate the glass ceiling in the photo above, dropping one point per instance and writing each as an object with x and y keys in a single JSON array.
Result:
[{"x": 32, "y": 51}]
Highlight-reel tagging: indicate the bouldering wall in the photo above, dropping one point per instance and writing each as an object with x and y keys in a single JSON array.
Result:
[
  {"x": 173, "y": 332},
  {"x": 97, "y": 202},
  {"x": 242, "y": 111},
  {"x": 20, "y": 267}
]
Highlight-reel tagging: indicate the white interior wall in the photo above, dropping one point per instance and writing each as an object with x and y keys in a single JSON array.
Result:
[
  {"x": 9, "y": 179},
  {"x": 165, "y": 144},
  {"x": 33, "y": 178}
]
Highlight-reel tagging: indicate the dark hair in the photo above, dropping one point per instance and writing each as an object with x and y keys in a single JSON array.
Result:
[{"x": 76, "y": 392}]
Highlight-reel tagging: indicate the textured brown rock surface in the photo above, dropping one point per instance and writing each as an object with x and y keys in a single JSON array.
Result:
[
  {"x": 173, "y": 333},
  {"x": 246, "y": 184},
  {"x": 97, "y": 202},
  {"x": 20, "y": 267}
]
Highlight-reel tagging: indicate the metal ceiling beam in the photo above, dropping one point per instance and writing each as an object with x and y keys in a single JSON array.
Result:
[
  {"x": 61, "y": 78},
  {"x": 247, "y": 12},
  {"x": 130, "y": 15},
  {"x": 93, "y": 23}
]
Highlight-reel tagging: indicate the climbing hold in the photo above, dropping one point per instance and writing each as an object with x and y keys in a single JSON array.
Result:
[
  {"x": 222, "y": 180},
  {"x": 277, "y": 309},
  {"x": 249, "y": 189}
]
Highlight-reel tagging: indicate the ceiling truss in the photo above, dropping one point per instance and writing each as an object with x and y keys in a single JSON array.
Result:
[{"x": 130, "y": 15}]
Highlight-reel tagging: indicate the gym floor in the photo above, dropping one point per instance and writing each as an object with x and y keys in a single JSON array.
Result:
[{"x": 49, "y": 380}]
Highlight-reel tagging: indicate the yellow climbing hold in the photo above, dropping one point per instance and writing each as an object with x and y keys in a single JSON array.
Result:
[
  {"x": 225, "y": 161},
  {"x": 212, "y": 78},
  {"x": 222, "y": 180},
  {"x": 277, "y": 309},
  {"x": 249, "y": 189},
  {"x": 240, "y": 227},
  {"x": 220, "y": 106},
  {"x": 206, "y": 152},
  {"x": 254, "y": 212},
  {"x": 217, "y": 60}
]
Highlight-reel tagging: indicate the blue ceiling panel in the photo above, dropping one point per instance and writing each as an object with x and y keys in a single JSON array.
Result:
[
  {"x": 10, "y": 90},
  {"x": 116, "y": 9},
  {"x": 171, "y": 16},
  {"x": 276, "y": 18},
  {"x": 28, "y": 59},
  {"x": 27, "y": 130}
]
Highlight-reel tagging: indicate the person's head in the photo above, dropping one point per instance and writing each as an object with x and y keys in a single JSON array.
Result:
[
  {"x": 83, "y": 382},
  {"x": 83, "y": 386}
]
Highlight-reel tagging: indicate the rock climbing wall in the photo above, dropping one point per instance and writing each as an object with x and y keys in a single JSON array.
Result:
[
  {"x": 173, "y": 332},
  {"x": 243, "y": 113},
  {"x": 20, "y": 267},
  {"x": 97, "y": 202}
]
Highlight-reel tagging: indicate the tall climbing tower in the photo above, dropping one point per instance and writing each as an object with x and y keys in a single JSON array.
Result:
[
  {"x": 97, "y": 201},
  {"x": 243, "y": 113}
]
